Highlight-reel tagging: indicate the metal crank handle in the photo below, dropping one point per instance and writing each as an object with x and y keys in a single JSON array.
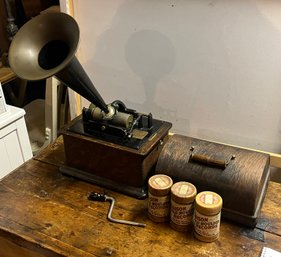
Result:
[{"x": 103, "y": 198}]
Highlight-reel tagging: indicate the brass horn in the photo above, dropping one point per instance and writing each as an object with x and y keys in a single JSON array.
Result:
[{"x": 46, "y": 46}]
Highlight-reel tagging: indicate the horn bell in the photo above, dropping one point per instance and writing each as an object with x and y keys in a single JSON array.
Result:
[{"x": 46, "y": 46}]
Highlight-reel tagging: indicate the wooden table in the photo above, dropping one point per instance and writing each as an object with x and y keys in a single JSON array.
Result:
[{"x": 43, "y": 213}]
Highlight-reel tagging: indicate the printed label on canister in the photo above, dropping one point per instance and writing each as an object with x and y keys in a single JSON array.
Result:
[
  {"x": 209, "y": 199},
  {"x": 159, "y": 206},
  {"x": 183, "y": 190},
  {"x": 160, "y": 182},
  {"x": 208, "y": 226},
  {"x": 181, "y": 214}
]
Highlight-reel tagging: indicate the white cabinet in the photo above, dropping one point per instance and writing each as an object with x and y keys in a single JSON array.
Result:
[{"x": 15, "y": 147}]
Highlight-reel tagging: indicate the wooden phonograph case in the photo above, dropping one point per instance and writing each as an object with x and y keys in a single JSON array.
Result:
[{"x": 121, "y": 166}]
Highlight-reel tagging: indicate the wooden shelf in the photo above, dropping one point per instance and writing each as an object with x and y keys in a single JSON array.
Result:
[{"x": 6, "y": 75}]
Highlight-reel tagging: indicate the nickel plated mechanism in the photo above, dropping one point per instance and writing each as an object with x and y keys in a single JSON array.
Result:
[{"x": 120, "y": 125}]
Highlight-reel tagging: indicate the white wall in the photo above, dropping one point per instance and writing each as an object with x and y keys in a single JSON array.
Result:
[{"x": 212, "y": 68}]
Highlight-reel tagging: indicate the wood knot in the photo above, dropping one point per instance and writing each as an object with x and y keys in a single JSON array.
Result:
[
  {"x": 43, "y": 194},
  {"x": 109, "y": 251}
]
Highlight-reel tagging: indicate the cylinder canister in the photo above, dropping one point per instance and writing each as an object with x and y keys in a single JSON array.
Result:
[
  {"x": 159, "y": 187},
  {"x": 182, "y": 205},
  {"x": 207, "y": 216}
]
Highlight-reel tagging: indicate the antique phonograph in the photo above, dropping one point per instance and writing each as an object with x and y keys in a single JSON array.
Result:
[
  {"x": 117, "y": 147},
  {"x": 109, "y": 144}
]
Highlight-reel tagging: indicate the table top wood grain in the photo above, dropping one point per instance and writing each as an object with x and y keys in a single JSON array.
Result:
[{"x": 44, "y": 213}]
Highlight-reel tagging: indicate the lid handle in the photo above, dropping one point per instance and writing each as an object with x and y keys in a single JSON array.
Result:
[{"x": 207, "y": 160}]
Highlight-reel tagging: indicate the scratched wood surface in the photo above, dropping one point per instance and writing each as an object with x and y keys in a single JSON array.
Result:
[{"x": 43, "y": 213}]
